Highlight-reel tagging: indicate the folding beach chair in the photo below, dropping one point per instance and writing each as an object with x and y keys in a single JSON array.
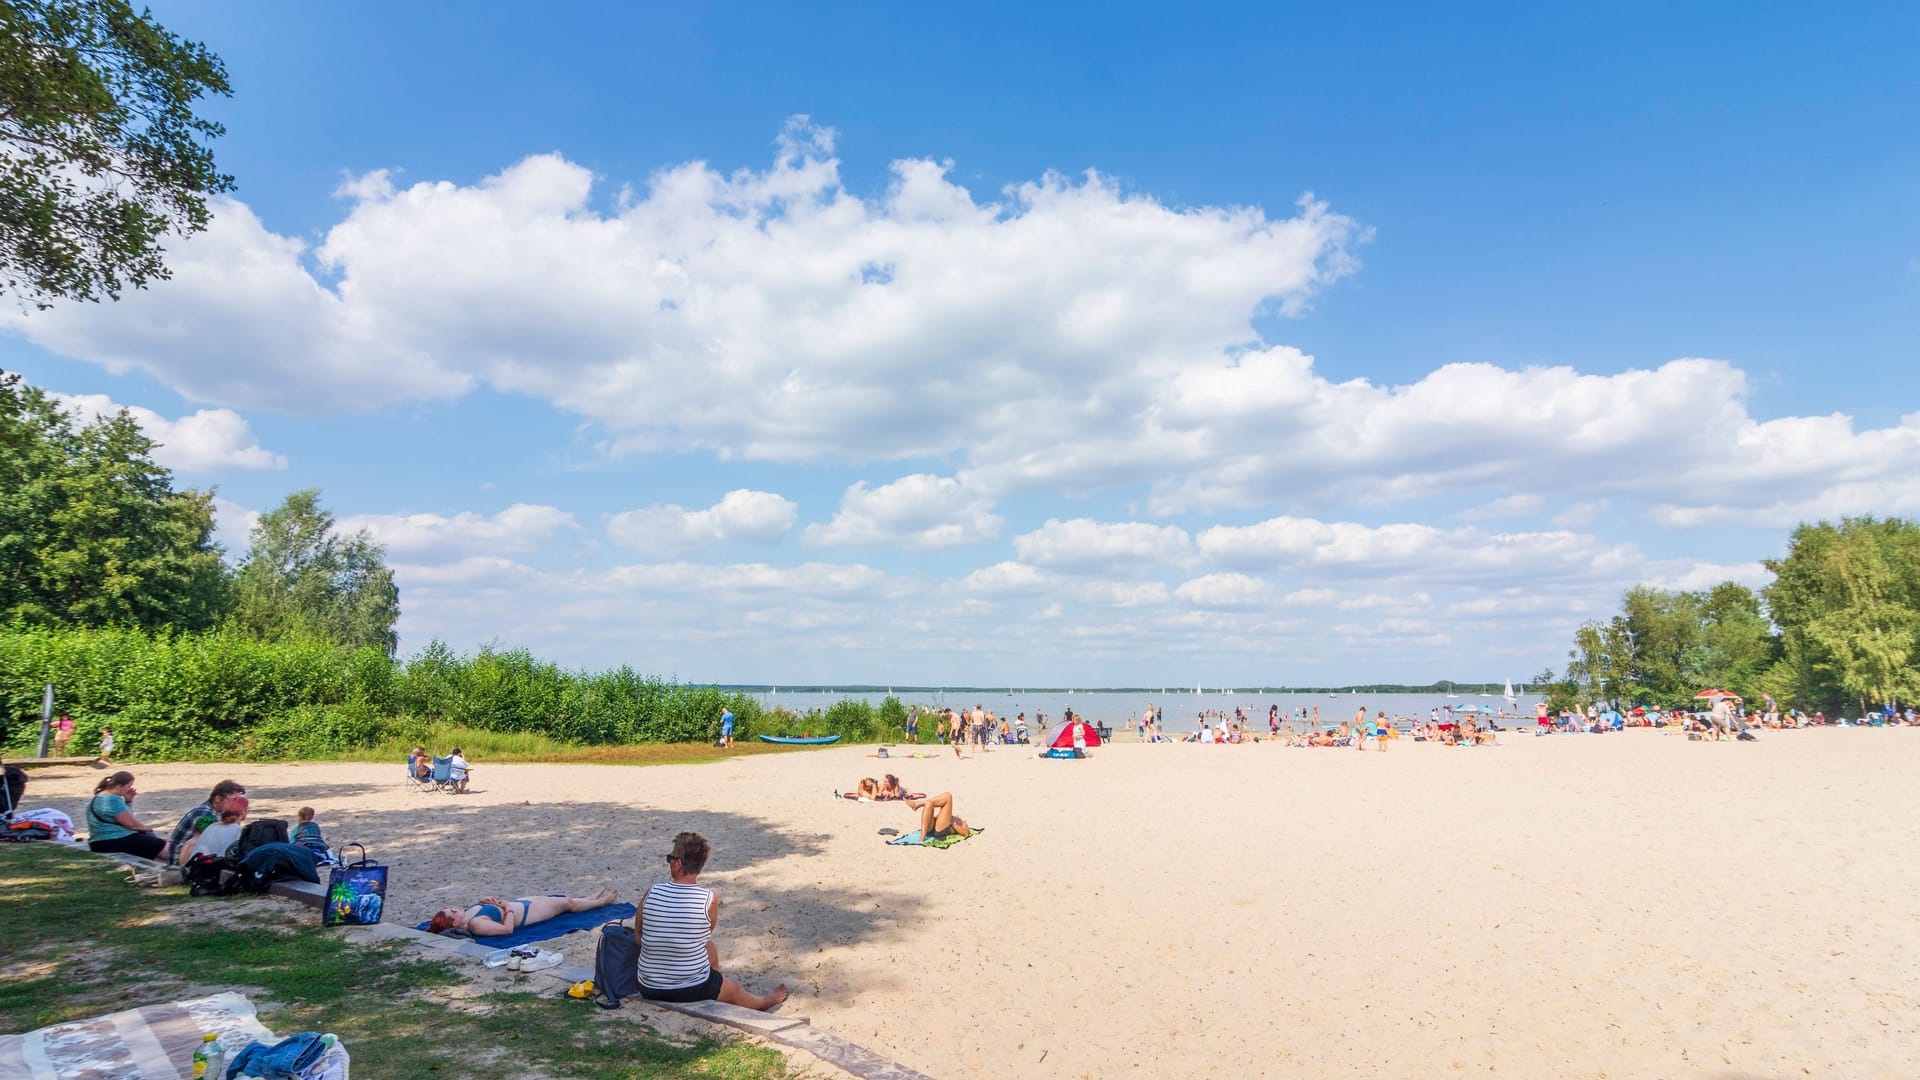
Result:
[
  {"x": 443, "y": 775},
  {"x": 416, "y": 782}
]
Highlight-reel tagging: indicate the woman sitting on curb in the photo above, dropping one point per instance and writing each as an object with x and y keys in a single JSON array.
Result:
[
  {"x": 111, "y": 825},
  {"x": 674, "y": 928}
]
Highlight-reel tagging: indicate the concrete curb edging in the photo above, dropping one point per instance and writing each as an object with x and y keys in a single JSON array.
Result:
[{"x": 788, "y": 1030}]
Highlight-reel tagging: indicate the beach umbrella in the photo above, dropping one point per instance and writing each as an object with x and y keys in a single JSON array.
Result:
[{"x": 1468, "y": 708}]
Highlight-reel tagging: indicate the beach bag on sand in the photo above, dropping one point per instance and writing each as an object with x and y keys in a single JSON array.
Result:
[
  {"x": 616, "y": 965},
  {"x": 356, "y": 892}
]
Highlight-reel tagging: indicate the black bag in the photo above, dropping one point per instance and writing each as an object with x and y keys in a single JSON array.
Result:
[
  {"x": 356, "y": 892},
  {"x": 616, "y": 964},
  {"x": 271, "y": 830},
  {"x": 13, "y": 781},
  {"x": 205, "y": 875}
]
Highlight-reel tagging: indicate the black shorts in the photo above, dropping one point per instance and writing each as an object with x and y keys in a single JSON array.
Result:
[
  {"x": 701, "y": 991},
  {"x": 145, "y": 845}
]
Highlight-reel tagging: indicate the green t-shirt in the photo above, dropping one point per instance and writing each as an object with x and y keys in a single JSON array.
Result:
[{"x": 100, "y": 814}]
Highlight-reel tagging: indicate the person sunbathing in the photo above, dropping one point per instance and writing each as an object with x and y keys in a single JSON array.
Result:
[
  {"x": 494, "y": 917},
  {"x": 937, "y": 820},
  {"x": 883, "y": 790}
]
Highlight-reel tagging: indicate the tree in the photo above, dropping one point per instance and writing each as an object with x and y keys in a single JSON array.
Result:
[
  {"x": 300, "y": 578},
  {"x": 1847, "y": 601},
  {"x": 92, "y": 532},
  {"x": 101, "y": 155}
]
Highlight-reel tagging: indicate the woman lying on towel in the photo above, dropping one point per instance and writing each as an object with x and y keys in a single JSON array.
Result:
[
  {"x": 886, "y": 790},
  {"x": 493, "y": 917},
  {"x": 937, "y": 821}
]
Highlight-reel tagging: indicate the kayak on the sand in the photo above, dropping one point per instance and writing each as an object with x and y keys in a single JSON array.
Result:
[{"x": 797, "y": 740}]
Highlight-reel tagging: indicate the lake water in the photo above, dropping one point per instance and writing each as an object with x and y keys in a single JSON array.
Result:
[{"x": 1180, "y": 706}]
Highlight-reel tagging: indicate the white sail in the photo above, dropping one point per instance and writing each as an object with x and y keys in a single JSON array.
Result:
[{"x": 1511, "y": 698}]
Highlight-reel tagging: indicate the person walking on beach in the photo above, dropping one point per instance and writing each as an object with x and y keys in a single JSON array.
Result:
[
  {"x": 1360, "y": 728},
  {"x": 62, "y": 735},
  {"x": 913, "y": 724},
  {"x": 955, "y": 725},
  {"x": 106, "y": 746}
]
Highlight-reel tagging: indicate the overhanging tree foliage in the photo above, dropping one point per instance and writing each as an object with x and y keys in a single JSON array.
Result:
[
  {"x": 101, "y": 154},
  {"x": 299, "y": 578}
]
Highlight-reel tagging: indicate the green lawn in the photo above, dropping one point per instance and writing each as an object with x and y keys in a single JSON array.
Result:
[{"x": 82, "y": 941}]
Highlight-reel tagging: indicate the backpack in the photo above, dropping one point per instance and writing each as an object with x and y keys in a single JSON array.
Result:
[
  {"x": 203, "y": 876},
  {"x": 264, "y": 831},
  {"x": 616, "y": 964}
]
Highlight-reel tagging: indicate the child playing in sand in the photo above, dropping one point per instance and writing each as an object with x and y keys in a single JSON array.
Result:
[{"x": 307, "y": 832}]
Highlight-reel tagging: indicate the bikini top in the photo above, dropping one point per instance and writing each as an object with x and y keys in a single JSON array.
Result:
[{"x": 493, "y": 912}]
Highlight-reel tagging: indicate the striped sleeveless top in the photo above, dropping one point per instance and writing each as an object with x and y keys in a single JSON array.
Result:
[{"x": 673, "y": 936}]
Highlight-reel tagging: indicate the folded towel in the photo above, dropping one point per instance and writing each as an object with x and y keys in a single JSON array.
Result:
[{"x": 552, "y": 928}]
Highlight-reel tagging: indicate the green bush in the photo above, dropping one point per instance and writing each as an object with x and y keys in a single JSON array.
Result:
[{"x": 224, "y": 694}]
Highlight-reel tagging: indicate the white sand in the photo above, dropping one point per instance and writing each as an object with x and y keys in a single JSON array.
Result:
[{"x": 1627, "y": 905}]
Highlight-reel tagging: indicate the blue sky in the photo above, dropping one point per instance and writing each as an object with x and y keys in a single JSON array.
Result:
[{"x": 1009, "y": 344}]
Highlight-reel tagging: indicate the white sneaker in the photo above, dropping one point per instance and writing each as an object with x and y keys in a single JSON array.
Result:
[{"x": 545, "y": 960}]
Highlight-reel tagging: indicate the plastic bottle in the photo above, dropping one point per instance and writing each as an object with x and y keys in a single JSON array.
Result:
[
  {"x": 210, "y": 1061},
  {"x": 200, "y": 1055}
]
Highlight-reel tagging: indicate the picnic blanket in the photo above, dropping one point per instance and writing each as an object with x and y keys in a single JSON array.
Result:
[
  {"x": 152, "y": 1042},
  {"x": 547, "y": 929},
  {"x": 916, "y": 840}
]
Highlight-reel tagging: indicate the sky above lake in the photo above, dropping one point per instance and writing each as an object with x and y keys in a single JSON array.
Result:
[{"x": 1055, "y": 344}]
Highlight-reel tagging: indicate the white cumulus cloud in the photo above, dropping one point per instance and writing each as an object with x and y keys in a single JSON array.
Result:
[
  {"x": 740, "y": 517},
  {"x": 208, "y": 440},
  {"x": 518, "y": 528},
  {"x": 919, "y": 511},
  {"x": 1084, "y": 544}
]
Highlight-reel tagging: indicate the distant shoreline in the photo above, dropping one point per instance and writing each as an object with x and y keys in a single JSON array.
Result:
[{"x": 897, "y": 689}]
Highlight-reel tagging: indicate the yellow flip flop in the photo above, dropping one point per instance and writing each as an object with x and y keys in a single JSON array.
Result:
[{"x": 582, "y": 989}]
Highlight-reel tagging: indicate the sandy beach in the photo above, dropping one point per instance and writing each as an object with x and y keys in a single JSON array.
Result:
[{"x": 1625, "y": 905}]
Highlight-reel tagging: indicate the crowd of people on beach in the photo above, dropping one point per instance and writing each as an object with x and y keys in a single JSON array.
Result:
[
  {"x": 978, "y": 727},
  {"x": 673, "y": 932}
]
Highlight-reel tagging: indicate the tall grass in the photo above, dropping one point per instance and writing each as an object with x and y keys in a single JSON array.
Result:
[{"x": 227, "y": 695}]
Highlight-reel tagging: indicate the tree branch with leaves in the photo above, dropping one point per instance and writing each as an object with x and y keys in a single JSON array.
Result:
[{"x": 101, "y": 153}]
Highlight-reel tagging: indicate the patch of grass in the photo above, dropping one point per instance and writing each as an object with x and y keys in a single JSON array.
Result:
[
  {"x": 82, "y": 942},
  {"x": 499, "y": 747}
]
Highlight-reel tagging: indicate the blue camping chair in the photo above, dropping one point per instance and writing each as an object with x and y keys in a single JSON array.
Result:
[
  {"x": 443, "y": 775},
  {"x": 416, "y": 782}
]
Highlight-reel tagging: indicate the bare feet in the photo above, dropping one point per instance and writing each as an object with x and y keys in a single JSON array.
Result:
[{"x": 778, "y": 995}]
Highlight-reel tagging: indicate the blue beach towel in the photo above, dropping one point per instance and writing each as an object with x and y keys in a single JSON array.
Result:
[{"x": 552, "y": 928}]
